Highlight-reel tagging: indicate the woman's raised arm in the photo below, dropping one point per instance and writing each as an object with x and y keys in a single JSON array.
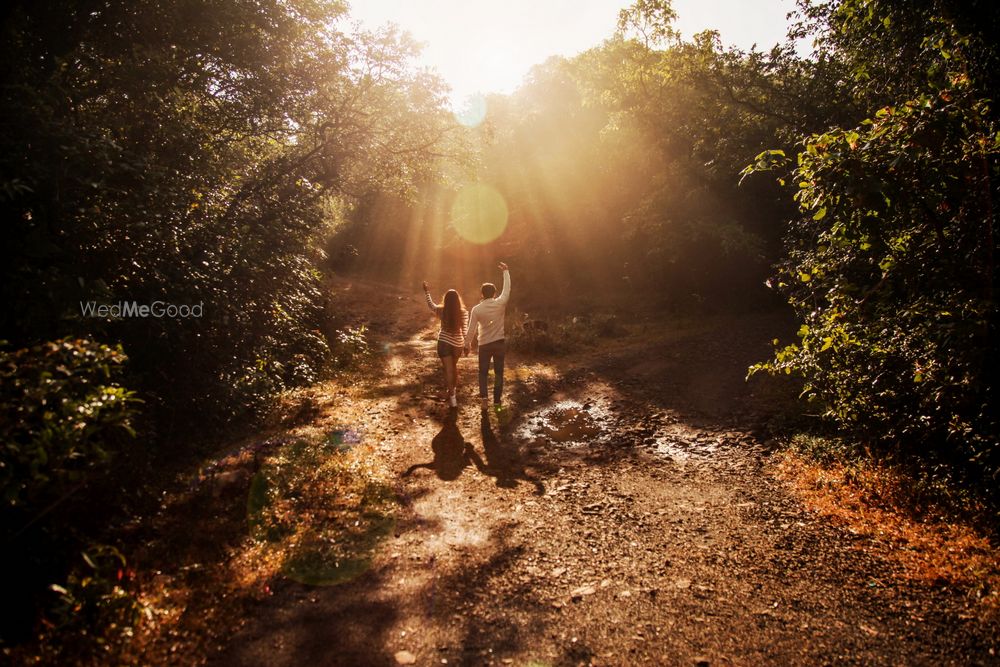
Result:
[{"x": 430, "y": 302}]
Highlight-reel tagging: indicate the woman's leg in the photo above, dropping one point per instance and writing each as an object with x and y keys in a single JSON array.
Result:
[
  {"x": 446, "y": 365},
  {"x": 453, "y": 378},
  {"x": 450, "y": 377}
]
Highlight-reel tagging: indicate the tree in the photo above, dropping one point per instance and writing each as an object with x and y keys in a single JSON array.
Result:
[
  {"x": 196, "y": 153},
  {"x": 705, "y": 111},
  {"x": 185, "y": 154},
  {"x": 890, "y": 265}
]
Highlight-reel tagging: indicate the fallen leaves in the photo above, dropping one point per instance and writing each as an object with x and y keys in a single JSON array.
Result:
[{"x": 935, "y": 553}]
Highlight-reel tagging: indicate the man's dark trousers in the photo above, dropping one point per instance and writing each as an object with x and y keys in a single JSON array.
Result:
[{"x": 494, "y": 351}]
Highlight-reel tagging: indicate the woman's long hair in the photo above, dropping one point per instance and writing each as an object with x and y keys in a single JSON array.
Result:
[{"x": 453, "y": 314}]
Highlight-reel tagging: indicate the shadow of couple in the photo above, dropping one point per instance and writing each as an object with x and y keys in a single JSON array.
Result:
[{"x": 452, "y": 454}]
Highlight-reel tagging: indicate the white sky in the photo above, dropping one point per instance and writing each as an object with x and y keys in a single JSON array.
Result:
[{"x": 488, "y": 45}]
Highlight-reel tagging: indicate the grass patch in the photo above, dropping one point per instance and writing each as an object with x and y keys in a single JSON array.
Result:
[
  {"x": 310, "y": 505},
  {"x": 317, "y": 510},
  {"x": 328, "y": 558}
]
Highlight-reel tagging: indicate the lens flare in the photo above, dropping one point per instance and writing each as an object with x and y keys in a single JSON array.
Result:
[
  {"x": 479, "y": 213},
  {"x": 473, "y": 112}
]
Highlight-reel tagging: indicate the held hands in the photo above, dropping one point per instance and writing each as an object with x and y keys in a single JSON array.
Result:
[
  {"x": 503, "y": 266},
  {"x": 465, "y": 351},
  {"x": 425, "y": 286}
]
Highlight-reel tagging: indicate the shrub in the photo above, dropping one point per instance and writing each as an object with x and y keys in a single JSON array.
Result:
[
  {"x": 891, "y": 269},
  {"x": 93, "y": 610},
  {"x": 61, "y": 415},
  {"x": 544, "y": 337},
  {"x": 350, "y": 347}
]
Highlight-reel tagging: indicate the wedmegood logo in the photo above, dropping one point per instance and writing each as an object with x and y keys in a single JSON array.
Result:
[{"x": 127, "y": 309}]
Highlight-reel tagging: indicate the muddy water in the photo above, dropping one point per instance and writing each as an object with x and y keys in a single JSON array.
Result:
[
  {"x": 569, "y": 423},
  {"x": 572, "y": 423}
]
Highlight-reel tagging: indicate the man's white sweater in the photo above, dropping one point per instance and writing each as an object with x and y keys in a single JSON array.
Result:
[{"x": 486, "y": 318}]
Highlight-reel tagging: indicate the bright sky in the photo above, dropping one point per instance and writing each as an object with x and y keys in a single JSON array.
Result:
[{"x": 488, "y": 46}]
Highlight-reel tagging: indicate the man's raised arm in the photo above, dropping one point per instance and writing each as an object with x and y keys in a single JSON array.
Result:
[{"x": 505, "y": 292}]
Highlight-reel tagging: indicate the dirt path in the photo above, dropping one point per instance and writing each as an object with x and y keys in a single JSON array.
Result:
[{"x": 619, "y": 512}]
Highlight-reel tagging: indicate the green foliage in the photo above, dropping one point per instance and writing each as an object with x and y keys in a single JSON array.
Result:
[
  {"x": 63, "y": 418},
  {"x": 699, "y": 112},
  {"x": 625, "y": 160},
  {"x": 196, "y": 153},
  {"x": 186, "y": 152},
  {"x": 63, "y": 414},
  {"x": 888, "y": 49},
  {"x": 891, "y": 264},
  {"x": 651, "y": 20},
  {"x": 93, "y": 606},
  {"x": 351, "y": 347},
  {"x": 323, "y": 507}
]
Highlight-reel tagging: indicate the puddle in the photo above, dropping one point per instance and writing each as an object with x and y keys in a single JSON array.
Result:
[
  {"x": 570, "y": 423},
  {"x": 575, "y": 423},
  {"x": 342, "y": 438}
]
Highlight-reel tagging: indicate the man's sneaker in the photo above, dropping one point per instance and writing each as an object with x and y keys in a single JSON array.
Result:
[
  {"x": 503, "y": 414},
  {"x": 453, "y": 401}
]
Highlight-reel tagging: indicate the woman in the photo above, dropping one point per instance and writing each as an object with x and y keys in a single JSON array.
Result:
[{"x": 451, "y": 339}]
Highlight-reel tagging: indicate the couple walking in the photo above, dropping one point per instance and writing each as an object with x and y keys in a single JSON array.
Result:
[{"x": 485, "y": 325}]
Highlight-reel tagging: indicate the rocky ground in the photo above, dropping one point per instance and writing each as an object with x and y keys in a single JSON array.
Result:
[{"x": 619, "y": 511}]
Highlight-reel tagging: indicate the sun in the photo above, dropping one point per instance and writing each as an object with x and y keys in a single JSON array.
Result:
[
  {"x": 484, "y": 46},
  {"x": 481, "y": 47},
  {"x": 474, "y": 53}
]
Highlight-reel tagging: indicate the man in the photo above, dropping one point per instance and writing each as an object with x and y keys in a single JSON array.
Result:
[{"x": 487, "y": 326}]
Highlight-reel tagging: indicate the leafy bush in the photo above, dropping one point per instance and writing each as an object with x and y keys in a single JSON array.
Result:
[
  {"x": 93, "y": 609},
  {"x": 891, "y": 269},
  {"x": 61, "y": 415},
  {"x": 531, "y": 340},
  {"x": 62, "y": 418},
  {"x": 560, "y": 336},
  {"x": 195, "y": 153},
  {"x": 350, "y": 347}
]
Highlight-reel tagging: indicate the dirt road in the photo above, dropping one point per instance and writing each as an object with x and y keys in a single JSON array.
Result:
[{"x": 619, "y": 511}]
